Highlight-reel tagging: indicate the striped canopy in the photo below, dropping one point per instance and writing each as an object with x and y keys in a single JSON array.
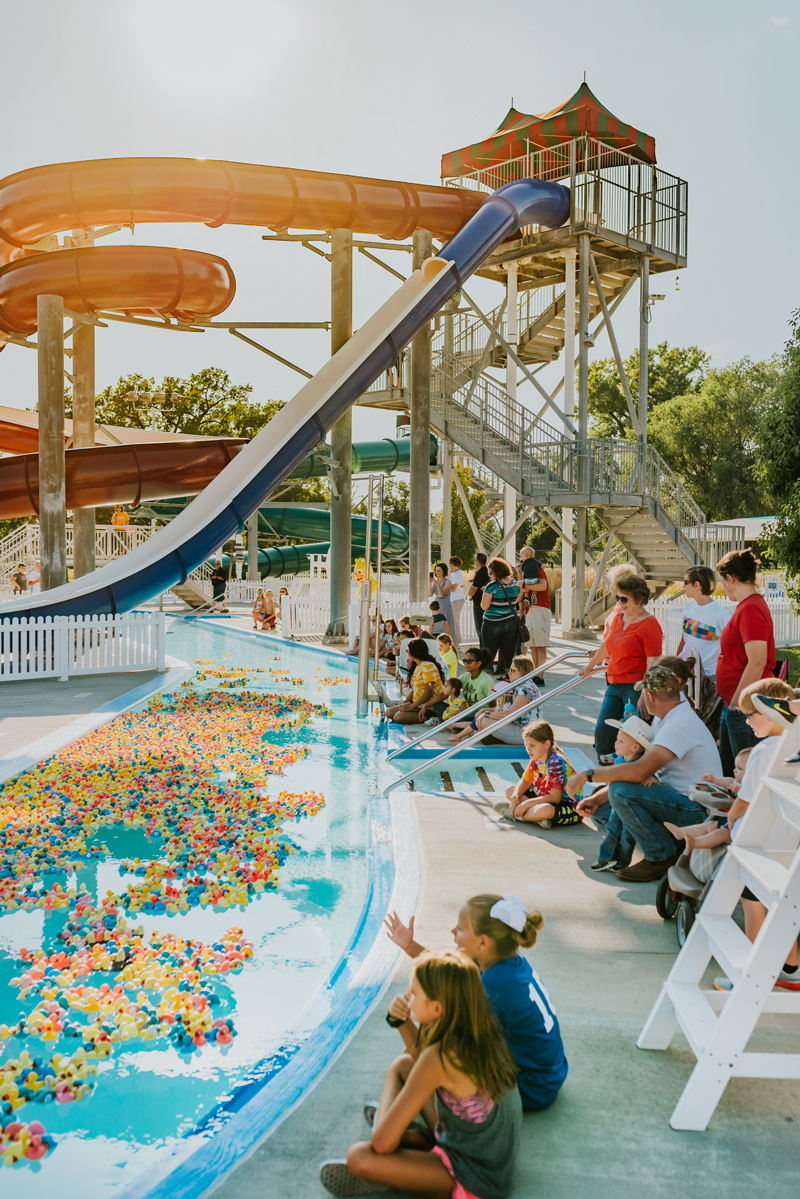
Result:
[{"x": 583, "y": 113}]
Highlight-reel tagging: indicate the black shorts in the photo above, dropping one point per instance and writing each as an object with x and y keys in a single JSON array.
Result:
[{"x": 565, "y": 811}]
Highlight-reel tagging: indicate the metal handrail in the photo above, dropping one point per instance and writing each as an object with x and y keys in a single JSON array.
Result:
[
  {"x": 482, "y": 703},
  {"x": 481, "y": 733}
]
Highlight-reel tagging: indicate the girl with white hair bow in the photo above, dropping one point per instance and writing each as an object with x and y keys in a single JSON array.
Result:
[{"x": 491, "y": 929}]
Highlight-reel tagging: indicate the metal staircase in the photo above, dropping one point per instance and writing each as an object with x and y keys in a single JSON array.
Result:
[{"x": 764, "y": 856}]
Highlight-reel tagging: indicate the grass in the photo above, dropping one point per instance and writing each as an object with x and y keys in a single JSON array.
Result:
[{"x": 792, "y": 652}]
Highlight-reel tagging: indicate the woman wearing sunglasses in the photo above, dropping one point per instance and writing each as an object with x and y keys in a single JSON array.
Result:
[{"x": 632, "y": 640}]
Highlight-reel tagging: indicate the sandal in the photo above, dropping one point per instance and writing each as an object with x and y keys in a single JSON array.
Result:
[{"x": 339, "y": 1180}]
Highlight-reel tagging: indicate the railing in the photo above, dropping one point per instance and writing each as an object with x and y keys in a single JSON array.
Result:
[
  {"x": 22, "y": 545},
  {"x": 460, "y": 746},
  {"x": 609, "y": 189},
  {"x": 61, "y": 646},
  {"x": 470, "y": 335},
  {"x": 397, "y": 378}
]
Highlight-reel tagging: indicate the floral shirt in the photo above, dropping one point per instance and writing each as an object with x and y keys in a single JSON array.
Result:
[
  {"x": 454, "y": 705},
  {"x": 528, "y": 690},
  {"x": 551, "y": 775}
]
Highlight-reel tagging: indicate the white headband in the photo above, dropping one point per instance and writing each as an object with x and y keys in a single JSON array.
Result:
[{"x": 511, "y": 911}]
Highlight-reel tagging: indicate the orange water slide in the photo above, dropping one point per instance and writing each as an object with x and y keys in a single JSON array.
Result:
[{"x": 43, "y": 201}]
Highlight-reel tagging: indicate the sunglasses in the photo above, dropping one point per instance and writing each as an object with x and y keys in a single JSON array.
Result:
[
  {"x": 621, "y": 599},
  {"x": 470, "y": 661}
]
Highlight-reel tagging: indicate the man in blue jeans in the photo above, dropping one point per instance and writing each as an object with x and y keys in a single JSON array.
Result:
[{"x": 681, "y": 752}]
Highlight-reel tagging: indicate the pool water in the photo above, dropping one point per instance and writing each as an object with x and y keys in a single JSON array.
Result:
[{"x": 149, "y": 1095}]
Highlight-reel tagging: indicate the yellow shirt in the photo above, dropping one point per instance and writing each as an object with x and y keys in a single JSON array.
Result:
[
  {"x": 120, "y": 519},
  {"x": 424, "y": 672},
  {"x": 451, "y": 658}
]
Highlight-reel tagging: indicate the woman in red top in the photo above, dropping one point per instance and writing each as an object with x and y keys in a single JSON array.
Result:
[
  {"x": 632, "y": 640},
  {"x": 746, "y": 650}
]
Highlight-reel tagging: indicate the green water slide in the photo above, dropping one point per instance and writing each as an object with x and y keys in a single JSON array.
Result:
[{"x": 387, "y": 455}]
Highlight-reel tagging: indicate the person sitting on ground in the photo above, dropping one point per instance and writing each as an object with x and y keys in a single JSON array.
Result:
[
  {"x": 477, "y": 684},
  {"x": 392, "y": 667},
  {"x": 781, "y": 836},
  {"x": 681, "y": 752},
  {"x": 353, "y": 652},
  {"x": 455, "y": 702},
  {"x": 427, "y": 678},
  {"x": 219, "y": 582},
  {"x": 390, "y": 631},
  {"x": 448, "y": 654},
  {"x": 458, "y": 1074},
  {"x": 540, "y": 796},
  {"x": 505, "y": 704},
  {"x": 491, "y": 929},
  {"x": 407, "y": 626},
  {"x": 259, "y": 612},
  {"x": 616, "y": 848},
  {"x": 439, "y": 622}
]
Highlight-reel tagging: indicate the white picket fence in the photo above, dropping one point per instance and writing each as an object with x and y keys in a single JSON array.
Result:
[
  {"x": 669, "y": 614},
  {"x": 62, "y": 646}
]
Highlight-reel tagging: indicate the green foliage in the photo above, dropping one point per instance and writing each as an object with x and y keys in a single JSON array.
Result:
[
  {"x": 463, "y": 541},
  {"x": 709, "y": 437},
  {"x": 207, "y": 404},
  {"x": 671, "y": 371},
  {"x": 543, "y": 540},
  {"x": 779, "y": 463}
]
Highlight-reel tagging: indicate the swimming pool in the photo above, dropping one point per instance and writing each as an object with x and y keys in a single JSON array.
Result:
[{"x": 167, "y": 1118}]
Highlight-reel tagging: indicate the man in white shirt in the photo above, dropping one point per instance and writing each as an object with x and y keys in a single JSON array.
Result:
[
  {"x": 681, "y": 752},
  {"x": 456, "y": 599},
  {"x": 35, "y": 577}
]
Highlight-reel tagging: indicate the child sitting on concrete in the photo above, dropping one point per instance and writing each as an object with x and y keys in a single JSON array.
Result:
[
  {"x": 540, "y": 796},
  {"x": 455, "y": 700},
  {"x": 616, "y": 848}
]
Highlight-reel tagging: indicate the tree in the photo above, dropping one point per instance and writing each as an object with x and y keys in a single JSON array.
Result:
[
  {"x": 709, "y": 437},
  {"x": 671, "y": 371},
  {"x": 779, "y": 463},
  {"x": 207, "y": 404},
  {"x": 462, "y": 539}
]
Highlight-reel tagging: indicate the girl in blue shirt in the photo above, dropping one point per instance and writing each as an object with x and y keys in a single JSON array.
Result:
[{"x": 491, "y": 929}]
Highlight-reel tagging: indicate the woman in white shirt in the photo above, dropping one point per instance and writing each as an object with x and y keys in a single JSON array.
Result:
[
  {"x": 703, "y": 621},
  {"x": 456, "y": 599}
]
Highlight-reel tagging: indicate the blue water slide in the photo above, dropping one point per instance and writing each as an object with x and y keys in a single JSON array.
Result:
[{"x": 222, "y": 509}]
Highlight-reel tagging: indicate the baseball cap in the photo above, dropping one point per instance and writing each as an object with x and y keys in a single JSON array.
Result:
[
  {"x": 659, "y": 678},
  {"x": 636, "y": 728}
]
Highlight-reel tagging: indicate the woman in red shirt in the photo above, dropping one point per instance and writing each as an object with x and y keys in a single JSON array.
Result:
[
  {"x": 632, "y": 640},
  {"x": 746, "y": 650}
]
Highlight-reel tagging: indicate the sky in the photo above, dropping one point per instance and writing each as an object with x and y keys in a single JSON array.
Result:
[{"x": 383, "y": 89}]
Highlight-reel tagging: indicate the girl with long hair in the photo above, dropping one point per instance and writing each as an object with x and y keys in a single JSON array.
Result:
[
  {"x": 426, "y": 679},
  {"x": 458, "y": 1074}
]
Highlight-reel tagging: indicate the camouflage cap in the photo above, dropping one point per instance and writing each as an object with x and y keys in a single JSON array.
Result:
[{"x": 660, "y": 678}]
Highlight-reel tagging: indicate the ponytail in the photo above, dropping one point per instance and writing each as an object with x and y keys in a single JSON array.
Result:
[{"x": 506, "y": 940}]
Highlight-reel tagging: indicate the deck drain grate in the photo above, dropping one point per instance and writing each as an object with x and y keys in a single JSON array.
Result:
[
  {"x": 519, "y": 768},
  {"x": 411, "y": 784},
  {"x": 447, "y": 782},
  {"x": 486, "y": 782}
]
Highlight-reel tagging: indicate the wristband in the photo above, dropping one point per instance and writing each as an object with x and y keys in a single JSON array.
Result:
[{"x": 392, "y": 1021}]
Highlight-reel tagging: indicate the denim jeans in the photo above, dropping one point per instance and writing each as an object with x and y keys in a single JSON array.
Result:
[
  {"x": 643, "y": 811},
  {"x": 501, "y": 635},
  {"x": 478, "y": 614},
  {"x": 612, "y": 708},
  {"x": 617, "y": 844},
  {"x": 735, "y": 735}
]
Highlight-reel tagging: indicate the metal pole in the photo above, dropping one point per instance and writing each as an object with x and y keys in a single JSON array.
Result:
[
  {"x": 253, "y": 573},
  {"x": 419, "y": 509},
  {"x": 644, "y": 364},
  {"x": 378, "y": 574},
  {"x": 83, "y": 437},
  {"x": 447, "y": 500},
  {"x": 512, "y": 337},
  {"x": 578, "y": 618},
  {"x": 341, "y": 473},
  {"x": 52, "y": 487},
  {"x": 569, "y": 410},
  {"x": 363, "y": 632}
]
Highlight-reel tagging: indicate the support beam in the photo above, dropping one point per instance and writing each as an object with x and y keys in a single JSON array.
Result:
[
  {"x": 341, "y": 471},
  {"x": 52, "y": 487},
  {"x": 569, "y": 410},
  {"x": 584, "y": 251},
  {"x": 419, "y": 508},
  {"x": 612, "y": 337},
  {"x": 644, "y": 365},
  {"x": 512, "y": 333},
  {"x": 476, "y": 533},
  {"x": 447, "y": 500},
  {"x": 83, "y": 437},
  {"x": 253, "y": 573},
  {"x": 512, "y": 532}
]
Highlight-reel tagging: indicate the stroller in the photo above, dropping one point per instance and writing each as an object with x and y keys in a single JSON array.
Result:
[{"x": 681, "y": 892}]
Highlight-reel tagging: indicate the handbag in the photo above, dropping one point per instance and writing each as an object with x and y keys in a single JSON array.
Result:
[{"x": 523, "y": 631}]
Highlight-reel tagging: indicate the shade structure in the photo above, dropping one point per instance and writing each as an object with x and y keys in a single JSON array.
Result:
[{"x": 520, "y": 132}]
